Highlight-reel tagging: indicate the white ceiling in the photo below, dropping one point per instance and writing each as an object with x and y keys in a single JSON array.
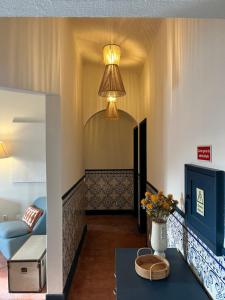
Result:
[
  {"x": 114, "y": 8},
  {"x": 133, "y": 35}
]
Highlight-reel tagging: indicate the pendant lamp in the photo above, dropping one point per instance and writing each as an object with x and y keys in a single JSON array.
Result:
[
  {"x": 111, "y": 84},
  {"x": 111, "y": 54},
  {"x": 3, "y": 151},
  {"x": 111, "y": 109}
]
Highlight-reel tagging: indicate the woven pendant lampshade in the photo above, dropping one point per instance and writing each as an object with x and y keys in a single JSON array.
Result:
[
  {"x": 111, "y": 54},
  {"x": 111, "y": 84},
  {"x": 3, "y": 151},
  {"x": 111, "y": 111}
]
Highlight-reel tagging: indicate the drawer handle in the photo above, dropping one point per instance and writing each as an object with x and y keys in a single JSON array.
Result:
[
  {"x": 114, "y": 292},
  {"x": 23, "y": 270}
]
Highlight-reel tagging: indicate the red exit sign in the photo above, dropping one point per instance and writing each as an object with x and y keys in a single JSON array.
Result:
[{"x": 204, "y": 153}]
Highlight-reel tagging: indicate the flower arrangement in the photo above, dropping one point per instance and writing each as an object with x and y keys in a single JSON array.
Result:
[{"x": 158, "y": 206}]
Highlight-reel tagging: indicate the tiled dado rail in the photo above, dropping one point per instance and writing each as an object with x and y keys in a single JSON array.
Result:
[
  {"x": 73, "y": 224},
  {"x": 210, "y": 269},
  {"x": 109, "y": 189}
]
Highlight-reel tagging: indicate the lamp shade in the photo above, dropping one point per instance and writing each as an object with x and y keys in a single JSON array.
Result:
[
  {"x": 111, "y": 111},
  {"x": 111, "y": 84},
  {"x": 3, "y": 151},
  {"x": 111, "y": 54}
]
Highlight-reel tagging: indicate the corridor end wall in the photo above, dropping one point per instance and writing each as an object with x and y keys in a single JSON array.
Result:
[{"x": 108, "y": 152}]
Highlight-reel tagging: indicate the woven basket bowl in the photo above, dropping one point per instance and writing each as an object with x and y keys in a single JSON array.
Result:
[{"x": 152, "y": 267}]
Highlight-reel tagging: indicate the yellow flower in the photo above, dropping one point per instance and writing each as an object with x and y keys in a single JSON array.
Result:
[
  {"x": 154, "y": 198},
  {"x": 160, "y": 194},
  {"x": 147, "y": 194},
  {"x": 143, "y": 201},
  {"x": 170, "y": 196},
  {"x": 149, "y": 206}
]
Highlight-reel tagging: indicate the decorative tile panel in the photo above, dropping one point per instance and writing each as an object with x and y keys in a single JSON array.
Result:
[
  {"x": 73, "y": 223},
  {"x": 209, "y": 268},
  {"x": 109, "y": 189}
]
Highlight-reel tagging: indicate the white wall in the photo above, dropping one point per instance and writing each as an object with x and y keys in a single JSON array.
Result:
[
  {"x": 187, "y": 64},
  {"x": 54, "y": 220},
  {"x": 29, "y": 56},
  {"x": 71, "y": 108},
  {"x": 38, "y": 54},
  {"x": 108, "y": 144},
  {"x": 16, "y": 193}
]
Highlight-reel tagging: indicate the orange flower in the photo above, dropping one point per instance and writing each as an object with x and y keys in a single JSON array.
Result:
[
  {"x": 143, "y": 202},
  {"x": 154, "y": 198},
  {"x": 149, "y": 206}
]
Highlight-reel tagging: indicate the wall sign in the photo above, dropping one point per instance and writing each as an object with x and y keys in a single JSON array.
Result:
[
  {"x": 204, "y": 153},
  {"x": 200, "y": 202}
]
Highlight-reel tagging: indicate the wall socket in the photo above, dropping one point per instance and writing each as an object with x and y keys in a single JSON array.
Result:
[
  {"x": 5, "y": 218},
  {"x": 18, "y": 217}
]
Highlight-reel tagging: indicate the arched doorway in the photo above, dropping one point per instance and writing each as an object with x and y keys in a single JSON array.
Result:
[{"x": 108, "y": 149}]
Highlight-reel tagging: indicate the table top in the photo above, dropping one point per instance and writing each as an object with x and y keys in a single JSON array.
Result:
[
  {"x": 32, "y": 249},
  {"x": 181, "y": 284}
]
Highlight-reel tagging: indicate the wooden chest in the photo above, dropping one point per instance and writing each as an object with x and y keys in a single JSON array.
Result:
[{"x": 27, "y": 268}]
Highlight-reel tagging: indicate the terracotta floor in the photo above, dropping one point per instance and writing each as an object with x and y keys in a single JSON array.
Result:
[
  {"x": 94, "y": 278},
  {"x": 4, "y": 295}
]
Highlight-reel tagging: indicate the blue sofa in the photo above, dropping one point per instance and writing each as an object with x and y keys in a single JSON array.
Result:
[{"x": 13, "y": 234}]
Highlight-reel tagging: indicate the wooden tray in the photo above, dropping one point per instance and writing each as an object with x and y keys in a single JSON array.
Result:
[{"x": 152, "y": 267}]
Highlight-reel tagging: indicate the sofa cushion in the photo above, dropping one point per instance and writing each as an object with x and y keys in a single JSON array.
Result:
[
  {"x": 31, "y": 215},
  {"x": 13, "y": 229}
]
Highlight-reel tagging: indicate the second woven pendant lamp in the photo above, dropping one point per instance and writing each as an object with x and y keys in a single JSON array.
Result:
[{"x": 111, "y": 111}]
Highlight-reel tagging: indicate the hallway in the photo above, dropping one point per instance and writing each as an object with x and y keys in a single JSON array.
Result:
[
  {"x": 94, "y": 279},
  {"x": 167, "y": 103}
]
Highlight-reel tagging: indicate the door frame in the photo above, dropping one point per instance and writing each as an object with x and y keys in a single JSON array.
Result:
[
  {"x": 142, "y": 218},
  {"x": 135, "y": 167}
]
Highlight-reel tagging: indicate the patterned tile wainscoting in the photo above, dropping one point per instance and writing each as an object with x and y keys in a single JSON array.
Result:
[
  {"x": 209, "y": 269},
  {"x": 73, "y": 224},
  {"x": 109, "y": 189}
]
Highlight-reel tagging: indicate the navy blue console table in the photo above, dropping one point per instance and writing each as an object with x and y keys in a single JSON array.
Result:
[{"x": 180, "y": 285}]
